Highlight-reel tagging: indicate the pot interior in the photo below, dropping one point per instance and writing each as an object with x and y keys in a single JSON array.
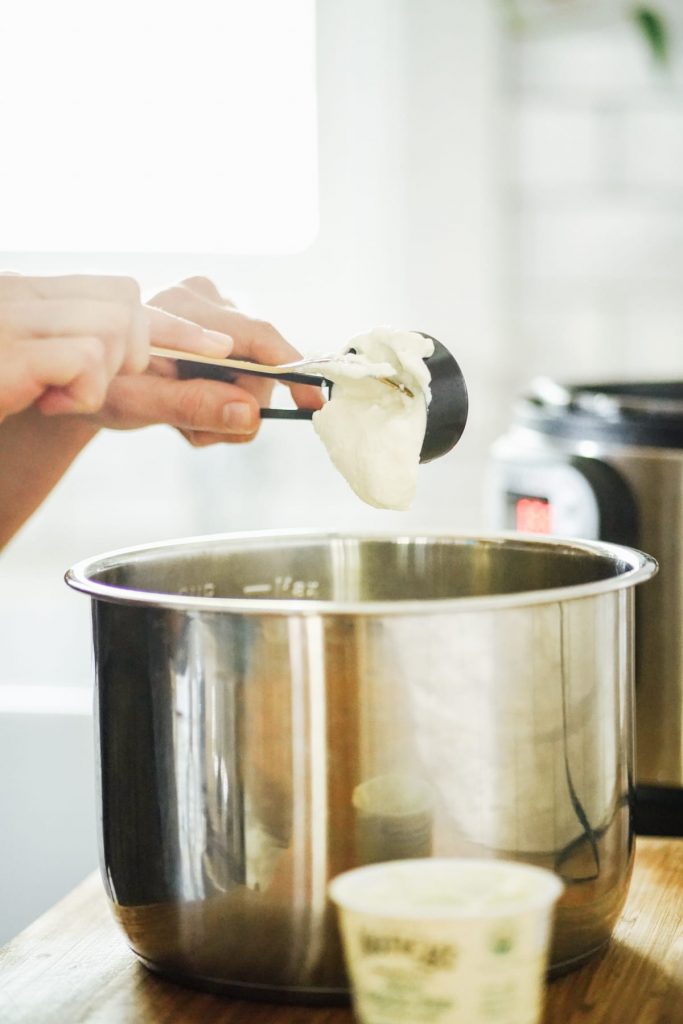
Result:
[{"x": 347, "y": 569}]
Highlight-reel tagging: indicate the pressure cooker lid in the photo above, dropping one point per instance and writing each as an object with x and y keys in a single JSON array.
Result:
[{"x": 647, "y": 413}]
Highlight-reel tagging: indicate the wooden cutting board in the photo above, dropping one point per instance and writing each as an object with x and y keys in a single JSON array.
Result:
[{"x": 72, "y": 966}]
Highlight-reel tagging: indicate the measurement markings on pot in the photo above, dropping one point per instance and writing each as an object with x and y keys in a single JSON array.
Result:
[
  {"x": 207, "y": 589},
  {"x": 283, "y": 586}
]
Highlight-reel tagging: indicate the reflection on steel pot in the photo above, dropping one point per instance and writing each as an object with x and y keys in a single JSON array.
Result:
[{"x": 275, "y": 709}]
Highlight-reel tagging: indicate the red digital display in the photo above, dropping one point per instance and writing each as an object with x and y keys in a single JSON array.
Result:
[{"x": 533, "y": 515}]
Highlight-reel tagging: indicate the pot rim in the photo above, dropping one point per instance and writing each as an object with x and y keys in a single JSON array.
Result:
[{"x": 641, "y": 568}]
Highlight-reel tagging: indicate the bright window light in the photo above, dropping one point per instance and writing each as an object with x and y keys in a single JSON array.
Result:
[{"x": 158, "y": 126}]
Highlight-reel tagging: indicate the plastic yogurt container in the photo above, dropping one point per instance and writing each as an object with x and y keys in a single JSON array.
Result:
[{"x": 446, "y": 941}]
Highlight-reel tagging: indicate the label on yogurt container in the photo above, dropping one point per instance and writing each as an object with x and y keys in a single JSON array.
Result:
[{"x": 444, "y": 972}]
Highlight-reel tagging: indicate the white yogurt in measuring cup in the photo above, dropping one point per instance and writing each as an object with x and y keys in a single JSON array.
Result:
[{"x": 372, "y": 432}]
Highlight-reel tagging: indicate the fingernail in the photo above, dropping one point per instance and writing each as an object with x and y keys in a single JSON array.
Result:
[
  {"x": 219, "y": 343},
  {"x": 239, "y": 416},
  {"x": 87, "y": 403}
]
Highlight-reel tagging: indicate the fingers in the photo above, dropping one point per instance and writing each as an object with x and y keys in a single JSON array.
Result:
[
  {"x": 172, "y": 330},
  {"x": 60, "y": 374},
  {"x": 64, "y": 318},
  {"x": 197, "y": 407},
  {"x": 109, "y": 288},
  {"x": 137, "y": 356},
  {"x": 190, "y": 305},
  {"x": 198, "y": 299},
  {"x": 203, "y": 439},
  {"x": 66, "y": 338},
  {"x": 206, "y": 288},
  {"x": 104, "y": 307},
  {"x": 260, "y": 341}
]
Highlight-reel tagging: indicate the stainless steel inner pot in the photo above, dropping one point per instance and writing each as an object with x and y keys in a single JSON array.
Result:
[{"x": 274, "y": 709}]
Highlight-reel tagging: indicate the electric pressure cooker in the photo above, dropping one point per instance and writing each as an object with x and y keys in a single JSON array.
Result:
[{"x": 605, "y": 461}]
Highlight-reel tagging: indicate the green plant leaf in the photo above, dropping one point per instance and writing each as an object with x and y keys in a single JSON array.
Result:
[{"x": 653, "y": 26}]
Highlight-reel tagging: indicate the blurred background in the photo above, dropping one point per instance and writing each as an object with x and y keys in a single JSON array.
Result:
[{"x": 507, "y": 176}]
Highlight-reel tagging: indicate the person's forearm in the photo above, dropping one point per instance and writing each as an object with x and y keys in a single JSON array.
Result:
[{"x": 35, "y": 452}]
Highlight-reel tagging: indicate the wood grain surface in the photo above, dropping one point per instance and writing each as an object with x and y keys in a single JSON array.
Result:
[{"x": 72, "y": 966}]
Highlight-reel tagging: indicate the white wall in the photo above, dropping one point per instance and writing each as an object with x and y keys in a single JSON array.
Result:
[
  {"x": 594, "y": 188},
  {"x": 47, "y": 804}
]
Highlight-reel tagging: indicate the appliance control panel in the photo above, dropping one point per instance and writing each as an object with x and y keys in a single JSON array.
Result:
[
  {"x": 569, "y": 496},
  {"x": 548, "y": 498}
]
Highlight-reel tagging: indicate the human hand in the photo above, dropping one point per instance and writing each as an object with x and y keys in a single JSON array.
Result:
[
  {"x": 205, "y": 411},
  {"x": 64, "y": 339}
]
